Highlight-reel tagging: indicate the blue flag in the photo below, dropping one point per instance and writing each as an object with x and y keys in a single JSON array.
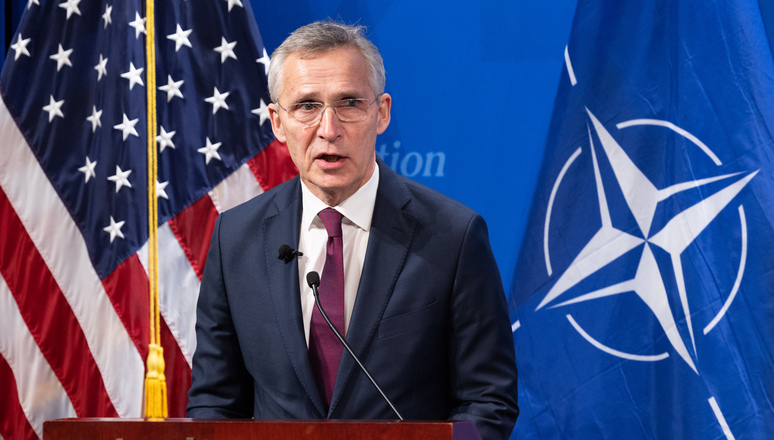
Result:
[{"x": 643, "y": 297}]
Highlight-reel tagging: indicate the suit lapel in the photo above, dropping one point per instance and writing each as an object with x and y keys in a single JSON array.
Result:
[
  {"x": 392, "y": 230},
  {"x": 282, "y": 227}
]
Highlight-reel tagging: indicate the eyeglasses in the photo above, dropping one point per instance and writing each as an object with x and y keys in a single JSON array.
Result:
[{"x": 347, "y": 110}]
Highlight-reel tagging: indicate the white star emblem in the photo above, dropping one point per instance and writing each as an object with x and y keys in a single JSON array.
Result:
[
  {"x": 21, "y": 47},
  {"x": 165, "y": 140},
  {"x": 106, "y": 15},
  {"x": 54, "y": 108},
  {"x": 114, "y": 229},
  {"x": 610, "y": 243},
  {"x": 262, "y": 111},
  {"x": 62, "y": 57},
  {"x": 88, "y": 169},
  {"x": 95, "y": 118},
  {"x": 210, "y": 151},
  {"x": 121, "y": 178},
  {"x": 265, "y": 60},
  {"x": 138, "y": 24},
  {"x": 133, "y": 75},
  {"x": 101, "y": 67},
  {"x": 127, "y": 127},
  {"x": 180, "y": 37},
  {"x": 231, "y": 4},
  {"x": 71, "y": 6},
  {"x": 218, "y": 100},
  {"x": 31, "y": 2},
  {"x": 172, "y": 88},
  {"x": 160, "y": 190},
  {"x": 226, "y": 50}
]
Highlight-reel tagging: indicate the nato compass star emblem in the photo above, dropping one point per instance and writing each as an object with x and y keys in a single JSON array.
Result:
[{"x": 610, "y": 243}]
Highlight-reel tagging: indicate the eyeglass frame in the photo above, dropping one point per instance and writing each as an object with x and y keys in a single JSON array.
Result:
[{"x": 322, "y": 110}]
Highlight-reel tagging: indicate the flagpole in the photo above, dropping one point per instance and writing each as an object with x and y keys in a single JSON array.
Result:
[{"x": 155, "y": 381}]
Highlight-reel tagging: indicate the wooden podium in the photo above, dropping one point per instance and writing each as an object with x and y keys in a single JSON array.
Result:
[{"x": 204, "y": 429}]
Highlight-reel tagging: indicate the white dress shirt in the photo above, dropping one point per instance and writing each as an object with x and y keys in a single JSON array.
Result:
[{"x": 358, "y": 210}]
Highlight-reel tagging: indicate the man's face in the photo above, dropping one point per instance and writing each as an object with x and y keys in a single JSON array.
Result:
[{"x": 334, "y": 158}]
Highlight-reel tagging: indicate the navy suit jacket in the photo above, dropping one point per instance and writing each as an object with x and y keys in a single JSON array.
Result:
[{"x": 429, "y": 322}]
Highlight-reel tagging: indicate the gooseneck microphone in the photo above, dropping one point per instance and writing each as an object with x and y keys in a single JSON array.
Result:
[
  {"x": 313, "y": 279},
  {"x": 287, "y": 253}
]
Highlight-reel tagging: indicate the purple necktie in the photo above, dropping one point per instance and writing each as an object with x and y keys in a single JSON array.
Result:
[{"x": 324, "y": 348}]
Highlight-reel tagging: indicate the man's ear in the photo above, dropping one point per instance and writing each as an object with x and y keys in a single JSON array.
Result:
[
  {"x": 385, "y": 103},
  {"x": 276, "y": 123}
]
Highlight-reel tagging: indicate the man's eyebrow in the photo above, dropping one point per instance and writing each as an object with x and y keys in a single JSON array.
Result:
[
  {"x": 307, "y": 97},
  {"x": 348, "y": 95},
  {"x": 314, "y": 97}
]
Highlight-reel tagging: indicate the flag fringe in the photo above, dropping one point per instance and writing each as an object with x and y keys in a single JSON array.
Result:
[{"x": 155, "y": 384}]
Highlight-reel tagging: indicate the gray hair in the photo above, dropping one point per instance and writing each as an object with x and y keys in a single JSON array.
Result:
[{"x": 320, "y": 37}]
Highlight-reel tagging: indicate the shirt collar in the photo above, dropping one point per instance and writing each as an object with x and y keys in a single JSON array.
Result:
[{"x": 357, "y": 208}]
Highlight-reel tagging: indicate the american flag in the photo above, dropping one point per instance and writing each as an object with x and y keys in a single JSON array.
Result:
[{"x": 74, "y": 295}]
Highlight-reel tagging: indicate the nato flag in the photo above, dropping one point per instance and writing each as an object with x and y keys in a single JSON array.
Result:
[{"x": 643, "y": 297}]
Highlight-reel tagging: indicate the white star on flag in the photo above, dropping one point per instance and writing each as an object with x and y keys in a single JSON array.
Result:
[
  {"x": 172, "y": 88},
  {"x": 20, "y": 47},
  {"x": 88, "y": 169},
  {"x": 210, "y": 151},
  {"x": 160, "y": 190},
  {"x": 133, "y": 75},
  {"x": 226, "y": 50},
  {"x": 262, "y": 111},
  {"x": 62, "y": 57},
  {"x": 95, "y": 118},
  {"x": 121, "y": 178},
  {"x": 127, "y": 127},
  {"x": 31, "y": 2},
  {"x": 106, "y": 15},
  {"x": 114, "y": 229},
  {"x": 101, "y": 67},
  {"x": 71, "y": 6},
  {"x": 54, "y": 108},
  {"x": 165, "y": 139},
  {"x": 180, "y": 37},
  {"x": 231, "y": 4},
  {"x": 218, "y": 100},
  {"x": 138, "y": 24},
  {"x": 265, "y": 60}
]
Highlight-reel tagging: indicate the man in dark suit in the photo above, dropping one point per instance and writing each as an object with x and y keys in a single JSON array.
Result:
[{"x": 407, "y": 274}]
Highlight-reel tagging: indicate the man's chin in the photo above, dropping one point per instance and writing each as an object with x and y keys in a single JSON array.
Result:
[{"x": 331, "y": 189}]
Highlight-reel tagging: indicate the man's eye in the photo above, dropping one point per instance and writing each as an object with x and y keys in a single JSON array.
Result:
[
  {"x": 306, "y": 106},
  {"x": 353, "y": 102}
]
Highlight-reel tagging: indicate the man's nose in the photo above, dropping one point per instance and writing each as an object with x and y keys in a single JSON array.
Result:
[{"x": 329, "y": 124}]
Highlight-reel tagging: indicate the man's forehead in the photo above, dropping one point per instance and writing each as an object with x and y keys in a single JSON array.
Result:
[{"x": 338, "y": 73}]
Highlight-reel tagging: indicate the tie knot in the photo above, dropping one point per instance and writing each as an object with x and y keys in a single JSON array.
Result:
[{"x": 332, "y": 221}]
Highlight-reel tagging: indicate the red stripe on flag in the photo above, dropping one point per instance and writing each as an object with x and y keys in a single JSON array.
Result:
[
  {"x": 14, "y": 423},
  {"x": 193, "y": 229},
  {"x": 49, "y": 317},
  {"x": 177, "y": 372},
  {"x": 129, "y": 292},
  {"x": 273, "y": 165}
]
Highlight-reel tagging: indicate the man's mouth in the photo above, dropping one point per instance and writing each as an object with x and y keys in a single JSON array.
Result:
[{"x": 330, "y": 158}]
